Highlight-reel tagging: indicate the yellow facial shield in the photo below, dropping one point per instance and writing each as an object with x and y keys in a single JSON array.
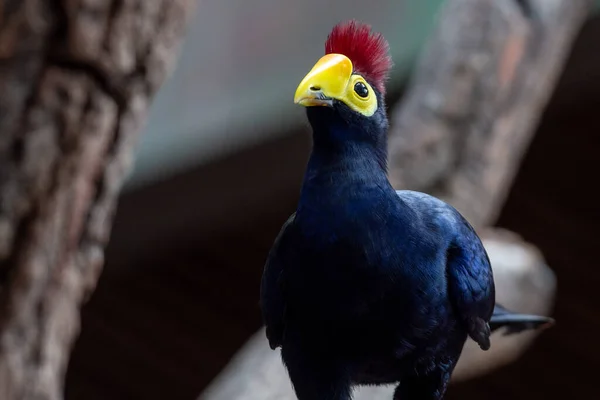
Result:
[{"x": 332, "y": 78}]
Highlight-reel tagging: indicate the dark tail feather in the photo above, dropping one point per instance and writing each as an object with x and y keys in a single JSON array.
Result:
[{"x": 515, "y": 323}]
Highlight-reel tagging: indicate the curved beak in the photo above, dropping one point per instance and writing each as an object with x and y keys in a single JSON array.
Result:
[{"x": 326, "y": 81}]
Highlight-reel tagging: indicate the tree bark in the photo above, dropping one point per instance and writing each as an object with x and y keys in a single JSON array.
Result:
[
  {"x": 76, "y": 78},
  {"x": 476, "y": 97}
]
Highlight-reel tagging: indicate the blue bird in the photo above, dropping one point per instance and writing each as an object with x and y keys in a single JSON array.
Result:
[{"x": 365, "y": 284}]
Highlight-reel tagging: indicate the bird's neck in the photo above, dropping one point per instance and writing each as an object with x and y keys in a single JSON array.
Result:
[
  {"x": 343, "y": 166},
  {"x": 335, "y": 144}
]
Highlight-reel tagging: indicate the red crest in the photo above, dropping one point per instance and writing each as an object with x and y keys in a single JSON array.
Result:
[{"x": 368, "y": 51}]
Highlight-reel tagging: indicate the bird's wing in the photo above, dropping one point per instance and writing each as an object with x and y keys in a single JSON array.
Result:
[
  {"x": 468, "y": 269},
  {"x": 471, "y": 285},
  {"x": 271, "y": 291}
]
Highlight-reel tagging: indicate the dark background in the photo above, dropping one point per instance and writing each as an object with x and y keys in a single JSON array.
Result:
[{"x": 179, "y": 292}]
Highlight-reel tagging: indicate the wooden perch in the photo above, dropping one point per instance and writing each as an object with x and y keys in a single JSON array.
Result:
[
  {"x": 460, "y": 133},
  {"x": 76, "y": 79},
  {"x": 476, "y": 97},
  {"x": 524, "y": 283}
]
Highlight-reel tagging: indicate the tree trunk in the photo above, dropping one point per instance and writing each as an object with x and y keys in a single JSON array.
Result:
[{"x": 76, "y": 78}]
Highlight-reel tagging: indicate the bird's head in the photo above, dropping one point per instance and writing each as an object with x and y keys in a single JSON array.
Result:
[{"x": 346, "y": 87}]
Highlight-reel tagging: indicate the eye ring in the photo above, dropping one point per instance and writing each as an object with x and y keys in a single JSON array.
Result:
[{"x": 361, "y": 89}]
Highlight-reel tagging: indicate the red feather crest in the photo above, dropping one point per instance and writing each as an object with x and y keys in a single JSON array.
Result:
[{"x": 368, "y": 51}]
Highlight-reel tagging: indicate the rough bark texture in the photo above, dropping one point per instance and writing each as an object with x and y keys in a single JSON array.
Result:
[
  {"x": 460, "y": 133},
  {"x": 76, "y": 78},
  {"x": 524, "y": 283},
  {"x": 476, "y": 97}
]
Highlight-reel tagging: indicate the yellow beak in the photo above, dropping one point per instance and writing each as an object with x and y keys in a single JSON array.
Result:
[{"x": 327, "y": 80}]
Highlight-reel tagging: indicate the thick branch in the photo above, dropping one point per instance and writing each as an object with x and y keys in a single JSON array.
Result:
[
  {"x": 77, "y": 77},
  {"x": 476, "y": 97},
  {"x": 524, "y": 283}
]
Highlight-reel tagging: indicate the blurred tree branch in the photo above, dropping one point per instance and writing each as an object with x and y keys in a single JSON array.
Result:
[
  {"x": 460, "y": 133},
  {"x": 76, "y": 77},
  {"x": 476, "y": 97}
]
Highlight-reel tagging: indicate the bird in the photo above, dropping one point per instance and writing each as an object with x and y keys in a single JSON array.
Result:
[{"x": 365, "y": 284}]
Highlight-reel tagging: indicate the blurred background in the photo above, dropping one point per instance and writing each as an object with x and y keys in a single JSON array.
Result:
[{"x": 218, "y": 170}]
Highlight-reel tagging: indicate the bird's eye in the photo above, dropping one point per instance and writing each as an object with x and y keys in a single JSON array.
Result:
[{"x": 361, "y": 89}]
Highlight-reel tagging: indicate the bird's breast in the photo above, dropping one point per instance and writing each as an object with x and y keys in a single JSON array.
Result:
[{"x": 361, "y": 267}]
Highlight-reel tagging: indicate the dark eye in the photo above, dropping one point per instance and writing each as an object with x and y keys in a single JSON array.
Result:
[{"x": 361, "y": 89}]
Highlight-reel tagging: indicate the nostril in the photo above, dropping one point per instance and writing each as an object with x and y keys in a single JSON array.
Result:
[{"x": 315, "y": 88}]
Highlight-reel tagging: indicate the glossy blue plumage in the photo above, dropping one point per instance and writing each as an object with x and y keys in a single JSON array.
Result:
[{"x": 366, "y": 284}]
